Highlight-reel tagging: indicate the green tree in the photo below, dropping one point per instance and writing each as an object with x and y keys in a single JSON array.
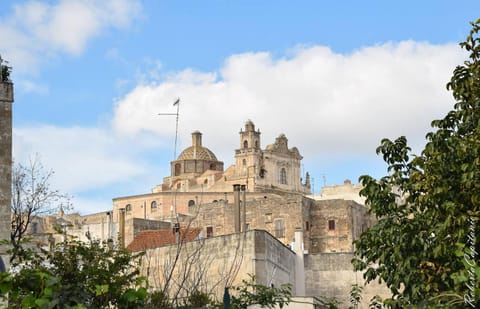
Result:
[
  {"x": 252, "y": 293},
  {"x": 426, "y": 242},
  {"x": 76, "y": 275}
]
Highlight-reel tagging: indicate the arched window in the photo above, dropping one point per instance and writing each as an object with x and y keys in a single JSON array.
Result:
[
  {"x": 191, "y": 203},
  {"x": 244, "y": 162},
  {"x": 128, "y": 207},
  {"x": 153, "y": 205},
  {"x": 283, "y": 176},
  {"x": 245, "y": 144},
  {"x": 205, "y": 182},
  {"x": 178, "y": 169}
]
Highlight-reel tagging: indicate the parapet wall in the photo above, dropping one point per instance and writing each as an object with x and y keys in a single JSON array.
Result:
[
  {"x": 211, "y": 264},
  {"x": 332, "y": 274}
]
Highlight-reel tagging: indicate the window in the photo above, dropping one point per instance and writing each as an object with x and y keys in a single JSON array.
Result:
[
  {"x": 279, "y": 228},
  {"x": 256, "y": 144},
  {"x": 209, "y": 231},
  {"x": 213, "y": 166},
  {"x": 178, "y": 168},
  {"x": 244, "y": 162},
  {"x": 191, "y": 203},
  {"x": 128, "y": 207},
  {"x": 307, "y": 226},
  {"x": 283, "y": 176},
  {"x": 34, "y": 227},
  {"x": 331, "y": 225},
  {"x": 153, "y": 206},
  {"x": 268, "y": 217},
  {"x": 245, "y": 144}
]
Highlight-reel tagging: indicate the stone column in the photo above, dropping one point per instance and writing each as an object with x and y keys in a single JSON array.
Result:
[{"x": 6, "y": 102}]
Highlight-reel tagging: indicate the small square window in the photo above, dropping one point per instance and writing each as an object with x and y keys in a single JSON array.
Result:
[
  {"x": 331, "y": 225},
  {"x": 209, "y": 231}
]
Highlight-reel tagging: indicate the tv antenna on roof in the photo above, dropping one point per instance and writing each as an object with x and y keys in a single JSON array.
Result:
[{"x": 176, "y": 103}]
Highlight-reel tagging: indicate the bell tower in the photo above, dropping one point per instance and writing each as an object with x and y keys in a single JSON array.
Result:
[
  {"x": 6, "y": 102},
  {"x": 248, "y": 156}
]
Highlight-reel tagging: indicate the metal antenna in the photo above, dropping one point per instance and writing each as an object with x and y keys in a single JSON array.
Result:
[{"x": 177, "y": 103}]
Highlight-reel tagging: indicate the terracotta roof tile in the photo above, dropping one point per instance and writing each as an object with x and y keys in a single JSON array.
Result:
[{"x": 150, "y": 239}]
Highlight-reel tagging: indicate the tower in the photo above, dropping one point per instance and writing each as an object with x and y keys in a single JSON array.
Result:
[
  {"x": 6, "y": 102},
  {"x": 248, "y": 156}
]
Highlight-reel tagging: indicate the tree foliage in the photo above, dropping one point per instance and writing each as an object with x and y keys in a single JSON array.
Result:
[
  {"x": 251, "y": 293},
  {"x": 75, "y": 275},
  {"x": 426, "y": 242}
]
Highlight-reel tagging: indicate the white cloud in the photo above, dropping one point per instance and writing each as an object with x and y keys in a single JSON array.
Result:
[
  {"x": 38, "y": 30},
  {"x": 83, "y": 158},
  {"x": 327, "y": 104}
]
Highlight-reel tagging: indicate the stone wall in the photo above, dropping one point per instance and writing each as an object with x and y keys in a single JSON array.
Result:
[
  {"x": 276, "y": 214},
  {"x": 335, "y": 224},
  {"x": 332, "y": 275},
  {"x": 134, "y": 226},
  {"x": 211, "y": 264},
  {"x": 346, "y": 191},
  {"x": 215, "y": 210}
]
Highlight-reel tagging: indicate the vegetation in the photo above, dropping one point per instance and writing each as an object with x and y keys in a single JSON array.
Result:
[
  {"x": 31, "y": 197},
  {"x": 75, "y": 275},
  {"x": 5, "y": 70},
  {"x": 251, "y": 293},
  {"x": 426, "y": 242}
]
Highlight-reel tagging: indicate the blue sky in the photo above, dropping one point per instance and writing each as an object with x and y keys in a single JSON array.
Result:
[{"x": 334, "y": 76}]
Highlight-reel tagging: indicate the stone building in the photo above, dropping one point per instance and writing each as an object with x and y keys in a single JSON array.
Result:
[
  {"x": 6, "y": 102},
  {"x": 261, "y": 196},
  {"x": 200, "y": 189}
]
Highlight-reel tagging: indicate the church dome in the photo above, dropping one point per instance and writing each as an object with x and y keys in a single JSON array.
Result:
[{"x": 197, "y": 153}]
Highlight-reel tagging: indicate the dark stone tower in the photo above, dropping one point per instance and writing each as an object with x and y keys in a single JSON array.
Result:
[{"x": 6, "y": 102}]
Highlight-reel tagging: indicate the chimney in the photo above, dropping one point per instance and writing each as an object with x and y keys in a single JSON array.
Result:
[
  {"x": 244, "y": 205},
  {"x": 121, "y": 221},
  {"x": 236, "y": 207},
  {"x": 299, "y": 263}
]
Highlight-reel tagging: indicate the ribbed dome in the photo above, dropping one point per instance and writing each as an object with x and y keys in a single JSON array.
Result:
[{"x": 197, "y": 153}]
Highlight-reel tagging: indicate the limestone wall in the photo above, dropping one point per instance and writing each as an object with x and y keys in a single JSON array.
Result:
[
  {"x": 335, "y": 224},
  {"x": 211, "y": 264},
  {"x": 332, "y": 274},
  {"x": 346, "y": 191},
  {"x": 276, "y": 214}
]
